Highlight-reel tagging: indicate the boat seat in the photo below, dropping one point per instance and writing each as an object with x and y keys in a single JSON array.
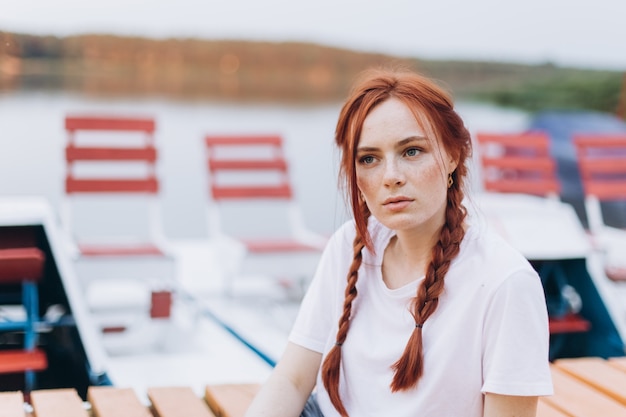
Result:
[
  {"x": 114, "y": 156},
  {"x": 521, "y": 163},
  {"x": 602, "y": 165},
  {"x": 518, "y": 163},
  {"x": 562, "y": 300},
  {"x": 23, "y": 266},
  {"x": 248, "y": 174},
  {"x": 112, "y": 215}
]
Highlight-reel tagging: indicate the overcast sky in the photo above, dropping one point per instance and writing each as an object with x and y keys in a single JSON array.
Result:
[{"x": 589, "y": 33}]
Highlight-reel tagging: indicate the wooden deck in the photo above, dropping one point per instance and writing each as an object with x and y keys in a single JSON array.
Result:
[{"x": 584, "y": 387}]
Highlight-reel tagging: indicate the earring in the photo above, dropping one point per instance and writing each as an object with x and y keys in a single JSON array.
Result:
[{"x": 450, "y": 180}]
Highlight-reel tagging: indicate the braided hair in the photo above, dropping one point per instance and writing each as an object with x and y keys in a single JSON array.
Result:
[{"x": 433, "y": 110}]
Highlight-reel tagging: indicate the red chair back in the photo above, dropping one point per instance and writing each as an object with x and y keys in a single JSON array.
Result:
[
  {"x": 143, "y": 152},
  {"x": 255, "y": 167},
  {"x": 518, "y": 163},
  {"x": 602, "y": 165}
]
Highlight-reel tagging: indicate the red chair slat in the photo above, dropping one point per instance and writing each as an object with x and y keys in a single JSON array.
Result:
[
  {"x": 523, "y": 186},
  {"x": 278, "y": 245},
  {"x": 74, "y": 153},
  {"x": 244, "y": 165},
  {"x": 73, "y": 123},
  {"x": 148, "y": 185},
  {"x": 606, "y": 190},
  {"x": 543, "y": 166},
  {"x": 232, "y": 140},
  {"x": 606, "y": 141},
  {"x": 21, "y": 264},
  {"x": 527, "y": 140},
  {"x": 570, "y": 323},
  {"x": 223, "y": 192},
  {"x": 13, "y": 361}
]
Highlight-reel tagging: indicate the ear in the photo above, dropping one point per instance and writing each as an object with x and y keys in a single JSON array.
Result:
[{"x": 452, "y": 164}]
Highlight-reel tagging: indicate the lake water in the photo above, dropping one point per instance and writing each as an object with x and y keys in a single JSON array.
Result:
[{"x": 32, "y": 140}]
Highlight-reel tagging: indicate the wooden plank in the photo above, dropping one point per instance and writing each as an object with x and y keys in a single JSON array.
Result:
[
  {"x": 619, "y": 363},
  {"x": 57, "y": 403},
  {"x": 116, "y": 402},
  {"x": 544, "y": 409},
  {"x": 177, "y": 402},
  {"x": 578, "y": 399},
  {"x": 597, "y": 373},
  {"x": 12, "y": 404},
  {"x": 230, "y": 400}
]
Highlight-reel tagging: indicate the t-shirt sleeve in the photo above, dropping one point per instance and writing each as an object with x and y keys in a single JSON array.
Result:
[
  {"x": 516, "y": 338},
  {"x": 316, "y": 319}
]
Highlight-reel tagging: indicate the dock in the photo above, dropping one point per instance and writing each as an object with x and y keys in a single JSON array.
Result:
[{"x": 583, "y": 387}]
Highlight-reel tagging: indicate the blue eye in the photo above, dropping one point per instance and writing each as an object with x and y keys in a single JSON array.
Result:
[
  {"x": 412, "y": 152},
  {"x": 368, "y": 159}
]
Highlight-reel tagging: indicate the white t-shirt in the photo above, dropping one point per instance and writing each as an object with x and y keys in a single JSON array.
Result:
[{"x": 488, "y": 334}]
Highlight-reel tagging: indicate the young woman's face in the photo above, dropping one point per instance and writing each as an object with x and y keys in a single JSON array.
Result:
[{"x": 401, "y": 172}]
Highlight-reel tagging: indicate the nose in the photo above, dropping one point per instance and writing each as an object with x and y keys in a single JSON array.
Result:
[{"x": 393, "y": 175}]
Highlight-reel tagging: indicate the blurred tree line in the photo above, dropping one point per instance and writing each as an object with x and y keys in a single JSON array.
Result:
[{"x": 192, "y": 69}]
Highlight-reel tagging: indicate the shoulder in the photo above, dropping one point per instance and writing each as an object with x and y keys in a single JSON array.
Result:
[
  {"x": 492, "y": 256},
  {"x": 344, "y": 235}
]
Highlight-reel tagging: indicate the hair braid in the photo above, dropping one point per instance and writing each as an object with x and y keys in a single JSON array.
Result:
[
  {"x": 332, "y": 363},
  {"x": 409, "y": 368}
]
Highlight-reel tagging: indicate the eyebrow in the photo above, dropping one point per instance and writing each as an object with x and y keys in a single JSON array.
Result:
[{"x": 400, "y": 144}]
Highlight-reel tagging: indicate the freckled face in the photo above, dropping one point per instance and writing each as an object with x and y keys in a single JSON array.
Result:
[{"x": 401, "y": 172}]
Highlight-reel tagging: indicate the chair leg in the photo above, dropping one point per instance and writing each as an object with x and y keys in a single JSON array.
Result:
[{"x": 31, "y": 304}]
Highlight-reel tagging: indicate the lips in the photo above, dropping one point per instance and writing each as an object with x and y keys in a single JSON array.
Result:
[
  {"x": 397, "y": 203},
  {"x": 395, "y": 200}
]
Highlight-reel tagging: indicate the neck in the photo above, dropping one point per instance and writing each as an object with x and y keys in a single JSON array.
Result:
[
  {"x": 407, "y": 256},
  {"x": 415, "y": 246}
]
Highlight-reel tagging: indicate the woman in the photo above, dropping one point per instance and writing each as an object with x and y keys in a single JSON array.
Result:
[{"x": 416, "y": 309}]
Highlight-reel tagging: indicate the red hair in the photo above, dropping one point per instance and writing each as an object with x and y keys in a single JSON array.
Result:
[{"x": 434, "y": 112}]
